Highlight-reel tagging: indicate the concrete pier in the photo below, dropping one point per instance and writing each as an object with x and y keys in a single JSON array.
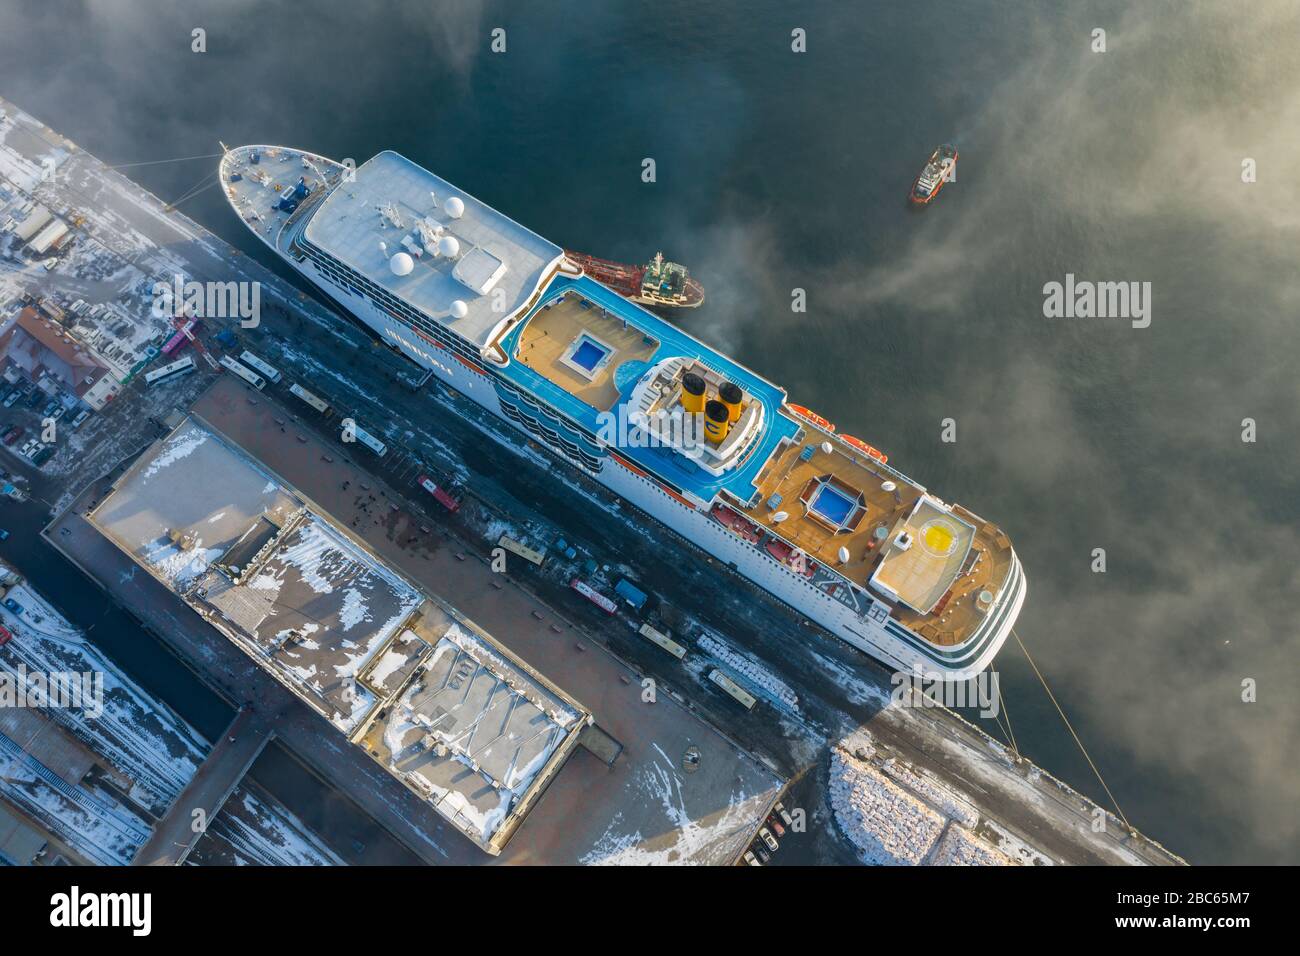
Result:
[{"x": 176, "y": 834}]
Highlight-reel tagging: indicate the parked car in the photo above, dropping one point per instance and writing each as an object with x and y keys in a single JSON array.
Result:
[
  {"x": 775, "y": 825},
  {"x": 750, "y": 859},
  {"x": 13, "y": 434},
  {"x": 781, "y": 812},
  {"x": 81, "y": 417},
  {"x": 58, "y": 412},
  {"x": 4, "y": 535},
  {"x": 12, "y": 397},
  {"x": 766, "y": 836},
  {"x": 760, "y": 851},
  {"x": 13, "y": 606}
]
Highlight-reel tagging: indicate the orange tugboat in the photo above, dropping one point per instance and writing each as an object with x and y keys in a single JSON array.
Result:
[
  {"x": 657, "y": 284},
  {"x": 941, "y": 168}
]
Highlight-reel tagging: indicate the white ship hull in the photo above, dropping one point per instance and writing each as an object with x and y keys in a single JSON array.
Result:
[
  {"x": 694, "y": 524},
  {"x": 857, "y": 617}
]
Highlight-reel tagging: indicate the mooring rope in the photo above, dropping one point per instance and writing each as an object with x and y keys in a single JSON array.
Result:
[
  {"x": 178, "y": 159},
  {"x": 1084, "y": 750}
]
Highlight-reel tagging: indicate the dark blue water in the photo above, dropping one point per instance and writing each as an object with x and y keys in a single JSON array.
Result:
[{"x": 778, "y": 171}]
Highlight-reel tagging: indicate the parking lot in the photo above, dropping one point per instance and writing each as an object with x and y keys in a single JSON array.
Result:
[{"x": 31, "y": 411}]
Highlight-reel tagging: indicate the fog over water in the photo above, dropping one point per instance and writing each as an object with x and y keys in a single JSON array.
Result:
[{"x": 779, "y": 171}]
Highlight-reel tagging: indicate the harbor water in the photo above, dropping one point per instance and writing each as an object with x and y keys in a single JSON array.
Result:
[{"x": 1163, "y": 444}]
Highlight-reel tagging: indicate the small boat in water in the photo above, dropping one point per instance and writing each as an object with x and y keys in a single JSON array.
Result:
[{"x": 941, "y": 168}]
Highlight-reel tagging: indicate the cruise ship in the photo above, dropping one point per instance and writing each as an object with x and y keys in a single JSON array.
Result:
[{"x": 695, "y": 440}]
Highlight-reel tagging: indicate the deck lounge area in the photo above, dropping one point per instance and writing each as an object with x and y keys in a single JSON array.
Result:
[
  {"x": 942, "y": 584},
  {"x": 580, "y": 346}
]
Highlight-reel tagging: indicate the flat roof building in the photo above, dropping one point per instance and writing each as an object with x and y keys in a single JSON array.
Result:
[{"x": 435, "y": 700}]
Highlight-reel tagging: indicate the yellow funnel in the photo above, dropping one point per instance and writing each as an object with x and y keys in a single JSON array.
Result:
[
  {"x": 730, "y": 395},
  {"x": 692, "y": 393},
  {"x": 716, "y": 422}
]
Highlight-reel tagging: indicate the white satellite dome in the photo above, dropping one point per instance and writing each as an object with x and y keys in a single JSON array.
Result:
[
  {"x": 844, "y": 555},
  {"x": 779, "y": 517},
  {"x": 449, "y": 246},
  {"x": 401, "y": 264},
  {"x": 458, "y": 308},
  {"x": 827, "y": 448},
  {"x": 887, "y": 486},
  {"x": 454, "y": 207}
]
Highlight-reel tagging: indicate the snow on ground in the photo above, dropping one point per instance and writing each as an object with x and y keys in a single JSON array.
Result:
[
  {"x": 885, "y": 823},
  {"x": 936, "y": 794},
  {"x": 753, "y": 672},
  {"x": 262, "y": 833},
  {"x": 150, "y": 752},
  {"x": 149, "y": 744},
  {"x": 692, "y": 838},
  {"x": 321, "y": 372},
  {"x": 960, "y": 847},
  {"x": 902, "y": 817},
  {"x": 859, "y": 691}
]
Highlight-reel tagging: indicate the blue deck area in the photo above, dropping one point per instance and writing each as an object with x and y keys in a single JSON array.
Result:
[{"x": 672, "y": 467}]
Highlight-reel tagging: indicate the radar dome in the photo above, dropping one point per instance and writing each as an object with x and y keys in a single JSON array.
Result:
[
  {"x": 448, "y": 246},
  {"x": 827, "y": 448},
  {"x": 844, "y": 555},
  {"x": 401, "y": 264},
  {"x": 454, "y": 207},
  {"x": 459, "y": 309}
]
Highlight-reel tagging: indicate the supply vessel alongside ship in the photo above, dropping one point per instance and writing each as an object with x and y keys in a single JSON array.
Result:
[
  {"x": 659, "y": 284},
  {"x": 692, "y": 438}
]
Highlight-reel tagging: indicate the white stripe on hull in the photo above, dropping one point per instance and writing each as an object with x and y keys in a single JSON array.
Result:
[{"x": 693, "y": 524}]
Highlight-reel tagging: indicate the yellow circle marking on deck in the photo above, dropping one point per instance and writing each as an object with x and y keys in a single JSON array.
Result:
[{"x": 938, "y": 537}]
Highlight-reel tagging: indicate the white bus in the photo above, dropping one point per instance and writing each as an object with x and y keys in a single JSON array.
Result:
[
  {"x": 742, "y": 696},
  {"x": 252, "y": 378},
  {"x": 525, "y": 552},
  {"x": 264, "y": 369},
  {"x": 310, "y": 399},
  {"x": 663, "y": 640},
  {"x": 168, "y": 372},
  {"x": 367, "y": 439}
]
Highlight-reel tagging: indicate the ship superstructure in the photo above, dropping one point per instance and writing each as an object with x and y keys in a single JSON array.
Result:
[{"x": 691, "y": 437}]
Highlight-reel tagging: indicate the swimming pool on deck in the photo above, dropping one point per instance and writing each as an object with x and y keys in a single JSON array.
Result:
[
  {"x": 833, "y": 505},
  {"x": 599, "y": 377}
]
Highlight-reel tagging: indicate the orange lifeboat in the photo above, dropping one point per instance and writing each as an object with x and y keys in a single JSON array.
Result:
[
  {"x": 811, "y": 416},
  {"x": 859, "y": 444}
]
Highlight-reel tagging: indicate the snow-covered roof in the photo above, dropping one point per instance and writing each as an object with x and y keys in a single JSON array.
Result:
[
  {"x": 441, "y": 705},
  {"x": 469, "y": 729}
]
